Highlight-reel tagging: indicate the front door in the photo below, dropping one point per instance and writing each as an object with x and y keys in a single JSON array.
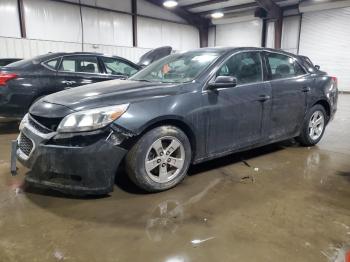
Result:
[
  {"x": 235, "y": 116},
  {"x": 290, "y": 85}
]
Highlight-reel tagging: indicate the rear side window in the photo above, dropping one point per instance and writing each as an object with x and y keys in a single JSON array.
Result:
[
  {"x": 281, "y": 66},
  {"x": 52, "y": 63},
  {"x": 245, "y": 67},
  {"x": 79, "y": 64},
  {"x": 115, "y": 66}
]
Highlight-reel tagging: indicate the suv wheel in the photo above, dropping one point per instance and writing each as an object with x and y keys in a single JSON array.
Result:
[
  {"x": 160, "y": 159},
  {"x": 313, "y": 126}
]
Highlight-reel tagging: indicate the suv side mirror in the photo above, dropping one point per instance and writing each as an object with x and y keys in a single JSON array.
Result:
[
  {"x": 317, "y": 67},
  {"x": 223, "y": 82}
]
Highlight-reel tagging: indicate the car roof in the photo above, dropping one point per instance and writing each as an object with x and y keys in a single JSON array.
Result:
[
  {"x": 223, "y": 50},
  {"x": 83, "y": 53}
]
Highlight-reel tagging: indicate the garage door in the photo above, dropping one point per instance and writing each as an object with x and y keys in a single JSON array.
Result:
[
  {"x": 325, "y": 38},
  {"x": 247, "y": 33}
]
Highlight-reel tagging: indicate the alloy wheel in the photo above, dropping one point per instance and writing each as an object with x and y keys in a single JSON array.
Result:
[
  {"x": 165, "y": 159},
  {"x": 316, "y": 125}
]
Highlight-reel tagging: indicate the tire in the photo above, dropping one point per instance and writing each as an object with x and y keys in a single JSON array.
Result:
[
  {"x": 159, "y": 160},
  {"x": 306, "y": 138}
]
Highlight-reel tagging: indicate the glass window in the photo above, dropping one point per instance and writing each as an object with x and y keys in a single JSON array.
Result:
[
  {"x": 52, "y": 63},
  {"x": 282, "y": 66},
  {"x": 177, "y": 68},
  {"x": 117, "y": 67},
  {"x": 80, "y": 64},
  {"x": 245, "y": 67}
]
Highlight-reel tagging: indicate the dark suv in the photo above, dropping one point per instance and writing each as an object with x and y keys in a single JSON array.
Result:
[
  {"x": 185, "y": 108},
  {"x": 23, "y": 82}
]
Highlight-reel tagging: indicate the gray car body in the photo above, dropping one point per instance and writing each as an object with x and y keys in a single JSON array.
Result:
[{"x": 218, "y": 122}]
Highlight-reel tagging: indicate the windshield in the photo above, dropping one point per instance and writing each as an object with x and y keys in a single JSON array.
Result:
[{"x": 177, "y": 68}]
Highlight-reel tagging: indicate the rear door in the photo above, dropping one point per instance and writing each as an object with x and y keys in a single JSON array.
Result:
[
  {"x": 290, "y": 84},
  {"x": 77, "y": 70}
]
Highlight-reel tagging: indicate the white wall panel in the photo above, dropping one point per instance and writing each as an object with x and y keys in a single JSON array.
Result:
[
  {"x": 130, "y": 53},
  {"x": 151, "y": 33},
  {"x": 9, "y": 22},
  {"x": 108, "y": 28},
  {"x": 270, "y": 35},
  {"x": 239, "y": 34},
  {"x": 211, "y": 36},
  {"x": 49, "y": 20},
  {"x": 325, "y": 38},
  {"x": 27, "y": 48},
  {"x": 317, "y": 5},
  {"x": 118, "y": 5},
  {"x": 290, "y": 34},
  {"x": 147, "y": 9}
]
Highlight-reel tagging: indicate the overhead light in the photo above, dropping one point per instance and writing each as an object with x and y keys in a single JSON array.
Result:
[
  {"x": 170, "y": 3},
  {"x": 217, "y": 15}
]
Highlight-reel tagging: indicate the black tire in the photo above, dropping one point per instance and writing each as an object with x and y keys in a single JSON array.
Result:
[
  {"x": 135, "y": 159},
  {"x": 304, "y": 138}
]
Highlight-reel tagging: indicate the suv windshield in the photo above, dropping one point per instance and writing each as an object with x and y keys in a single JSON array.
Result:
[{"x": 177, "y": 68}]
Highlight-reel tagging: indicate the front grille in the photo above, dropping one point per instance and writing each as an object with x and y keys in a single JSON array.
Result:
[
  {"x": 39, "y": 127},
  {"x": 25, "y": 144},
  {"x": 49, "y": 123}
]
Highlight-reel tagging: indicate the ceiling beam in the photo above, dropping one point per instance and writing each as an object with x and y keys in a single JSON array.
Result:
[
  {"x": 205, "y": 3},
  {"x": 273, "y": 12},
  {"x": 272, "y": 9},
  {"x": 201, "y": 23},
  {"x": 191, "y": 18},
  {"x": 231, "y": 8}
]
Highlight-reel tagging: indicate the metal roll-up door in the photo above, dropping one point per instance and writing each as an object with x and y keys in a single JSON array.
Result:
[{"x": 325, "y": 38}]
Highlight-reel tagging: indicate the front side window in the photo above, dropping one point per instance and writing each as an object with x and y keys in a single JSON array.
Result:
[
  {"x": 79, "y": 64},
  {"x": 245, "y": 67},
  {"x": 281, "y": 66},
  {"x": 178, "y": 68},
  {"x": 117, "y": 67}
]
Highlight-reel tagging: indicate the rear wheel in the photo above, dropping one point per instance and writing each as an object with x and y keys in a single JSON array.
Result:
[
  {"x": 160, "y": 159},
  {"x": 313, "y": 126}
]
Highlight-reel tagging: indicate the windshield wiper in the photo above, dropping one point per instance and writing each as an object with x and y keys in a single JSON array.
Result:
[{"x": 144, "y": 80}]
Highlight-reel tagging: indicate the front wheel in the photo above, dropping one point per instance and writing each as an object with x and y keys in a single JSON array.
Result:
[
  {"x": 313, "y": 126},
  {"x": 160, "y": 159}
]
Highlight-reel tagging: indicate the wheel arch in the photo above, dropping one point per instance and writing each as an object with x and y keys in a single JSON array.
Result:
[
  {"x": 173, "y": 121},
  {"x": 326, "y": 106}
]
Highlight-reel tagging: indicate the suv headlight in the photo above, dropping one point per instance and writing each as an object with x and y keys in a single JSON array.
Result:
[{"x": 92, "y": 119}]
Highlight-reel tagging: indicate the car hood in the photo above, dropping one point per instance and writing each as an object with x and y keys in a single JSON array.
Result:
[{"x": 101, "y": 94}]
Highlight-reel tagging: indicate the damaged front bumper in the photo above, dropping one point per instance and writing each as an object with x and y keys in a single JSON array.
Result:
[{"x": 77, "y": 168}]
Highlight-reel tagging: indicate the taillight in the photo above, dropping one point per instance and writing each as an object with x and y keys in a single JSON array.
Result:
[
  {"x": 335, "y": 79},
  {"x": 4, "y": 77}
]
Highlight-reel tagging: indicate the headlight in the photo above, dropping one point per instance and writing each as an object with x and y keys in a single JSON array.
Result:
[
  {"x": 23, "y": 122},
  {"x": 92, "y": 119}
]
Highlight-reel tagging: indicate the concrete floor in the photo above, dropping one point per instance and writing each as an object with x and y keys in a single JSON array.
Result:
[{"x": 278, "y": 203}]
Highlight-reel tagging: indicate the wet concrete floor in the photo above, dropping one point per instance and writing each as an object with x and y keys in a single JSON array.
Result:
[{"x": 277, "y": 203}]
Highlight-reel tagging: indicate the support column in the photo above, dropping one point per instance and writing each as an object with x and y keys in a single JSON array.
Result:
[
  {"x": 21, "y": 17},
  {"x": 134, "y": 22}
]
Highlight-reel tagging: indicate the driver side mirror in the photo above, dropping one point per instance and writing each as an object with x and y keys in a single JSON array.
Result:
[
  {"x": 317, "y": 67},
  {"x": 223, "y": 82}
]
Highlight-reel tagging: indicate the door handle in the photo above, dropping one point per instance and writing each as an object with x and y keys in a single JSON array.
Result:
[
  {"x": 68, "y": 83},
  {"x": 305, "y": 89},
  {"x": 263, "y": 98}
]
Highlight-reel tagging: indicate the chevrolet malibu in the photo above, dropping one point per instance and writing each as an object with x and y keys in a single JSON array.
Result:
[{"x": 183, "y": 109}]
